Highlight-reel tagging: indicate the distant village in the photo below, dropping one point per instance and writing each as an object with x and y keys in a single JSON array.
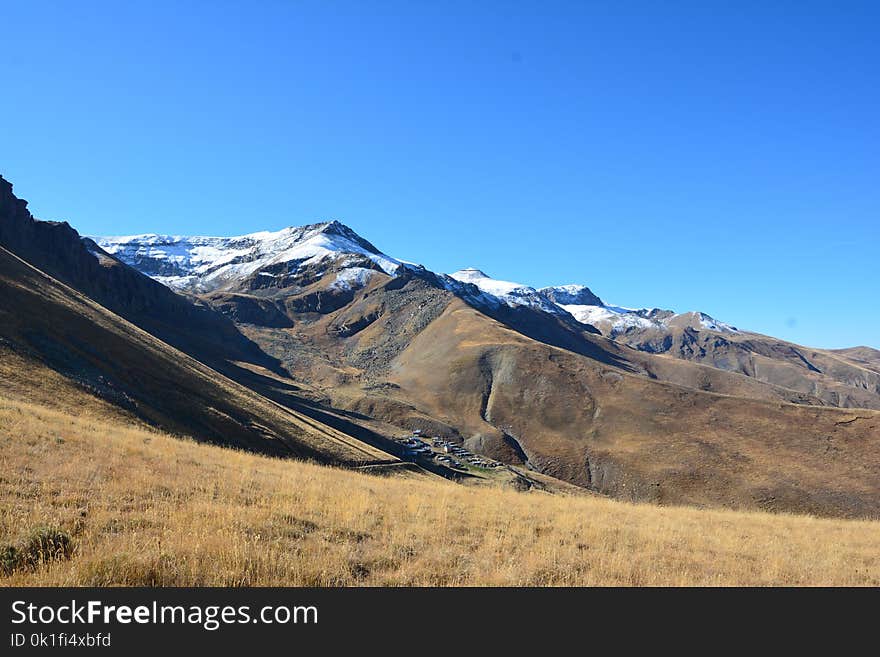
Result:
[{"x": 417, "y": 447}]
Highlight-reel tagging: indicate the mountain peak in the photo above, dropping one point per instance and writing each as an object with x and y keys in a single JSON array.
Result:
[
  {"x": 336, "y": 227},
  {"x": 203, "y": 264},
  {"x": 469, "y": 274}
]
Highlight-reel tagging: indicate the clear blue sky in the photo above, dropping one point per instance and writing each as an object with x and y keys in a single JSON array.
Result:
[{"x": 721, "y": 156}]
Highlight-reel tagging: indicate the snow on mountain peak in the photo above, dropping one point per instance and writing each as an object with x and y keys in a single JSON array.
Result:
[
  {"x": 207, "y": 263},
  {"x": 506, "y": 292},
  {"x": 469, "y": 273},
  {"x": 707, "y": 322},
  {"x": 203, "y": 264},
  {"x": 490, "y": 285}
]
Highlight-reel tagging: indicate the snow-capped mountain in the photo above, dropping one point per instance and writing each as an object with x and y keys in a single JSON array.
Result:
[
  {"x": 306, "y": 253},
  {"x": 582, "y": 304},
  {"x": 204, "y": 264},
  {"x": 274, "y": 279},
  {"x": 613, "y": 320}
]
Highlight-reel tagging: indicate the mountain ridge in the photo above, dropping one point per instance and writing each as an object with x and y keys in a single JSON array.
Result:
[
  {"x": 160, "y": 257},
  {"x": 290, "y": 260},
  {"x": 575, "y": 299}
]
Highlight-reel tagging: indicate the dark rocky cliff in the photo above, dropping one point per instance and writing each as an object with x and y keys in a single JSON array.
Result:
[{"x": 183, "y": 322}]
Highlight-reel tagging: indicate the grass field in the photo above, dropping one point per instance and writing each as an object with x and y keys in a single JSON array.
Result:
[{"x": 143, "y": 508}]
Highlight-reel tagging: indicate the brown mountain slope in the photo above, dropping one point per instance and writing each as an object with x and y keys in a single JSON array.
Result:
[
  {"x": 331, "y": 338},
  {"x": 50, "y": 335},
  {"x": 632, "y": 437},
  {"x": 354, "y": 340}
]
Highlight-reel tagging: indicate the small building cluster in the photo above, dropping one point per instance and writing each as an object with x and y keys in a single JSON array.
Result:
[{"x": 416, "y": 448}]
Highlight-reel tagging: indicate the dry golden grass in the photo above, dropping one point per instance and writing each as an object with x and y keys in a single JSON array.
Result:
[{"x": 148, "y": 509}]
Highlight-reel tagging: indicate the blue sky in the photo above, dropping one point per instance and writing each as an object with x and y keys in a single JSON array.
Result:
[{"x": 690, "y": 155}]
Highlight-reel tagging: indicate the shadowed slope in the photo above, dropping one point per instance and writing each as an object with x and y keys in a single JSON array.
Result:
[{"x": 186, "y": 323}]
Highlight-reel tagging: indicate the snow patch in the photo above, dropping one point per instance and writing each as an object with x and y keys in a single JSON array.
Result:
[{"x": 352, "y": 278}]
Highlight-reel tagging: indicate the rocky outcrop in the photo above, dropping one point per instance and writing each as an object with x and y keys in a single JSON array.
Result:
[{"x": 571, "y": 295}]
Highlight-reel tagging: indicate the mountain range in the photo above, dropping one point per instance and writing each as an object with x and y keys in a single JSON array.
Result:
[
  {"x": 312, "y": 343},
  {"x": 254, "y": 268}
]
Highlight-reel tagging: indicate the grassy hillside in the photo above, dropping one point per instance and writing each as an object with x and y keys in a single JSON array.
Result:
[{"x": 142, "y": 508}]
